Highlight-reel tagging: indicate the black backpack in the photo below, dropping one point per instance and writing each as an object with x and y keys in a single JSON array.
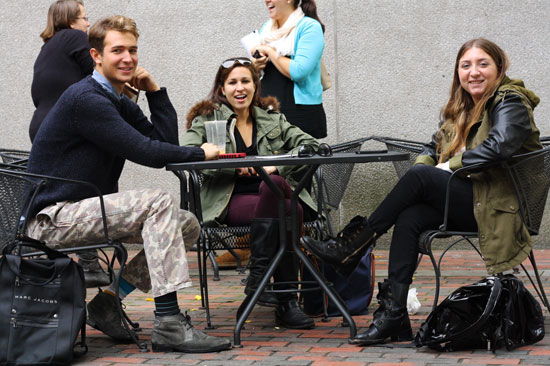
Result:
[
  {"x": 491, "y": 313},
  {"x": 42, "y": 308}
]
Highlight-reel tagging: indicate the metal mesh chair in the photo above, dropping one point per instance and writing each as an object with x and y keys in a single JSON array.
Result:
[
  {"x": 16, "y": 157},
  {"x": 18, "y": 190},
  {"x": 413, "y": 148},
  {"x": 331, "y": 183},
  {"x": 530, "y": 175},
  {"x": 12, "y": 205}
]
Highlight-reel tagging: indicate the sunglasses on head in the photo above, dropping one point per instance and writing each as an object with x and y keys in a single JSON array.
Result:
[
  {"x": 309, "y": 150},
  {"x": 231, "y": 61}
]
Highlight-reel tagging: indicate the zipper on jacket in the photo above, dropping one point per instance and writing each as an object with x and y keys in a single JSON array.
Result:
[{"x": 504, "y": 94}]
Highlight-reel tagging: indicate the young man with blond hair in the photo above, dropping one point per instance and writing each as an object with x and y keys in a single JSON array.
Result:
[{"x": 87, "y": 136}]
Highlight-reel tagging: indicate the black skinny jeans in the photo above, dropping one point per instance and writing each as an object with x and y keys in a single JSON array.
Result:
[{"x": 416, "y": 204}]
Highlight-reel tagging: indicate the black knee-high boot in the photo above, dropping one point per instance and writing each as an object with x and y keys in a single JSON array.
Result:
[
  {"x": 264, "y": 241},
  {"x": 289, "y": 314},
  {"x": 391, "y": 319}
]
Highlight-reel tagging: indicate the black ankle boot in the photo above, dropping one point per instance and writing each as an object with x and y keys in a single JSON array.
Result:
[
  {"x": 264, "y": 240},
  {"x": 346, "y": 250},
  {"x": 290, "y": 315},
  {"x": 391, "y": 319}
]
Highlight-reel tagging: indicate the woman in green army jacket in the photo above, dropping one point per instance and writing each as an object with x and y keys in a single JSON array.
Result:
[
  {"x": 238, "y": 196},
  {"x": 488, "y": 118}
]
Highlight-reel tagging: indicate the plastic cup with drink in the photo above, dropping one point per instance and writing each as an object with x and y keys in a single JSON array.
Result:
[{"x": 216, "y": 133}]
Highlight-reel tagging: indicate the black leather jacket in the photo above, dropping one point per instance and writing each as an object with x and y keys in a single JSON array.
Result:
[{"x": 510, "y": 119}]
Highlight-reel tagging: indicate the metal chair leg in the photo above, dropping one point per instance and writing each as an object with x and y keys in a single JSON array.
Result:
[
  {"x": 437, "y": 279},
  {"x": 210, "y": 254},
  {"x": 204, "y": 278},
  {"x": 199, "y": 265},
  {"x": 541, "y": 294},
  {"x": 122, "y": 256}
]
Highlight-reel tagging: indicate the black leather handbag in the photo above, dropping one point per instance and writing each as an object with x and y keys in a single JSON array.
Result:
[
  {"x": 492, "y": 313},
  {"x": 42, "y": 308}
]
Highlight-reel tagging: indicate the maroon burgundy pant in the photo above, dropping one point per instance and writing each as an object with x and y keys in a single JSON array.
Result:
[{"x": 264, "y": 204}]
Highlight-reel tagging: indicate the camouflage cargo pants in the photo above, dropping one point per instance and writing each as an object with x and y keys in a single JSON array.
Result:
[{"x": 150, "y": 217}]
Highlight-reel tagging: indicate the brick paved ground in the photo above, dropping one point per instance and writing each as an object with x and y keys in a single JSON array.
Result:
[{"x": 266, "y": 344}]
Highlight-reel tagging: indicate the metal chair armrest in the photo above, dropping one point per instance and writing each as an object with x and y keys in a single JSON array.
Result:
[
  {"x": 44, "y": 179},
  {"x": 456, "y": 173}
]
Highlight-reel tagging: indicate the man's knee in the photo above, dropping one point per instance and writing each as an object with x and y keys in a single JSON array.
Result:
[{"x": 162, "y": 197}]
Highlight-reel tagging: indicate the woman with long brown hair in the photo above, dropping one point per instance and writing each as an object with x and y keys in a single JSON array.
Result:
[
  {"x": 488, "y": 118},
  {"x": 238, "y": 197}
]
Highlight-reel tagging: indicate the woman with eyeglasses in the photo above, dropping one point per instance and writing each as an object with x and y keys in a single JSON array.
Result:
[
  {"x": 64, "y": 58},
  {"x": 238, "y": 196},
  {"x": 292, "y": 44},
  {"x": 488, "y": 118}
]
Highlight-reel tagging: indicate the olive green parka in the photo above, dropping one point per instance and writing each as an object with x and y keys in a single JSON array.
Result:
[
  {"x": 504, "y": 239},
  {"x": 275, "y": 136}
]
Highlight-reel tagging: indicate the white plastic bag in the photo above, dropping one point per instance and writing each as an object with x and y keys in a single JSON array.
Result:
[
  {"x": 250, "y": 41},
  {"x": 413, "y": 305}
]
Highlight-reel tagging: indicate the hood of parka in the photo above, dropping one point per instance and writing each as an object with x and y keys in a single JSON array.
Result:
[{"x": 207, "y": 107}]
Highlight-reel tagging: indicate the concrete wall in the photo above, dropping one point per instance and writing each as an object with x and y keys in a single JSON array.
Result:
[{"x": 391, "y": 61}]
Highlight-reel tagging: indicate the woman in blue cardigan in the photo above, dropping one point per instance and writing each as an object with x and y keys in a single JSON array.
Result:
[{"x": 292, "y": 43}]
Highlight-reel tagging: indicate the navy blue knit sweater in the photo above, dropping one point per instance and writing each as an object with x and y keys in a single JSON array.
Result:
[{"x": 88, "y": 135}]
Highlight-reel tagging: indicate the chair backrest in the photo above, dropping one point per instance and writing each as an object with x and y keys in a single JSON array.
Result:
[
  {"x": 335, "y": 177},
  {"x": 531, "y": 177},
  {"x": 413, "y": 148},
  {"x": 14, "y": 193},
  {"x": 17, "y": 157}
]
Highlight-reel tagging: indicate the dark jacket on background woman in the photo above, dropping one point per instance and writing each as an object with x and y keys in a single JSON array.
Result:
[{"x": 63, "y": 60}]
